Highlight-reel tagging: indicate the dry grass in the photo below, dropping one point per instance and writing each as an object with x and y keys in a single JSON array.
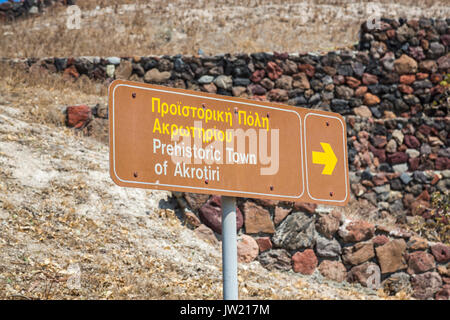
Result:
[
  {"x": 115, "y": 28},
  {"x": 41, "y": 95}
]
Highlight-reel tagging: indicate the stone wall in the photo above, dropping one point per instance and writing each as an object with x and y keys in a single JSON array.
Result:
[
  {"x": 13, "y": 10},
  {"x": 303, "y": 238},
  {"x": 393, "y": 91}
]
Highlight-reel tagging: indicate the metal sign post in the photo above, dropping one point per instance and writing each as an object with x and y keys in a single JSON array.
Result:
[{"x": 229, "y": 248}]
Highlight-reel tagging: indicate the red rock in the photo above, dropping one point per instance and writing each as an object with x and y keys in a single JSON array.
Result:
[
  {"x": 380, "y": 240},
  {"x": 305, "y": 207},
  {"x": 419, "y": 207},
  {"x": 258, "y": 75},
  {"x": 405, "y": 65},
  {"x": 397, "y": 157},
  {"x": 391, "y": 33},
  {"x": 196, "y": 200},
  {"x": 273, "y": 70},
  {"x": 258, "y": 98},
  {"x": 329, "y": 70},
  {"x": 247, "y": 249},
  {"x": 360, "y": 91},
  {"x": 371, "y": 99},
  {"x": 266, "y": 202},
  {"x": 264, "y": 243},
  {"x": 206, "y": 234},
  {"x": 352, "y": 82},
  {"x": 421, "y": 75},
  {"x": 356, "y": 231},
  {"x": 367, "y": 274},
  {"x": 280, "y": 214},
  {"x": 436, "y": 78},
  {"x": 437, "y": 90},
  {"x": 425, "y": 285},
  {"x": 277, "y": 95},
  {"x": 257, "y": 219},
  {"x": 420, "y": 261},
  {"x": 78, "y": 116},
  {"x": 304, "y": 262},
  {"x": 444, "y": 63},
  {"x": 357, "y": 254},
  {"x": 210, "y": 88},
  {"x": 417, "y": 243},
  {"x": 338, "y": 79},
  {"x": 403, "y": 88},
  {"x": 211, "y": 215},
  {"x": 444, "y": 293},
  {"x": 441, "y": 252},
  {"x": 72, "y": 71},
  {"x": 378, "y": 153},
  {"x": 379, "y": 141},
  {"x": 412, "y": 142},
  {"x": 442, "y": 163},
  {"x": 402, "y": 148},
  {"x": 333, "y": 270},
  {"x": 428, "y": 66},
  {"x": 369, "y": 79},
  {"x": 308, "y": 69},
  {"x": 424, "y": 195},
  {"x": 390, "y": 256},
  {"x": 426, "y": 130},
  {"x": 407, "y": 79},
  {"x": 301, "y": 81},
  {"x": 435, "y": 180},
  {"x": 413, "y": 163},
  {"x": 380, "y": 179}
]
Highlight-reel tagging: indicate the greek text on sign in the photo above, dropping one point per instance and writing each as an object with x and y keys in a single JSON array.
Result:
[{"x": 180, "y": 140}]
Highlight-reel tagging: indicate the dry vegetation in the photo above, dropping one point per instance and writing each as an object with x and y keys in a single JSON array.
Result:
[{"x": 137, "y": 27}]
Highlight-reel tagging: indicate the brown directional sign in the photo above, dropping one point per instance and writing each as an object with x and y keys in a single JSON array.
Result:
[{"x": 180, "y": 140}]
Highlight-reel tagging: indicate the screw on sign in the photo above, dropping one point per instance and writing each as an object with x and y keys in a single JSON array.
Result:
[{"x": 180, "y": 140}]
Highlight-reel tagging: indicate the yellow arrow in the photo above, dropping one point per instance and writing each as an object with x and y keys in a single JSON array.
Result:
[{"x": 328, "y": 158}]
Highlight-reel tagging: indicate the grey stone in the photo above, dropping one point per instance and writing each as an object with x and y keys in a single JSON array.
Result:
[
  {"x": 400, "y": 168},
  {"x": 295, "y": 232},
  {"x": 421, "y": 177},
  {"x": 224, "y": 82},
  {"x": 277, "y": 259},
  {"x": 397, "y": 282},
  {"x": 382, "y": 189},
  {"x": 412, "y": 153},
  {"x": 205, "y": 79},
  {"x": 446, "y": 173},
  {"x": 405, "y": 177},
  {"x": 425, "y": 149},
  {"x": 113, "y": 60},
  {"x": 327, "y": 248}
]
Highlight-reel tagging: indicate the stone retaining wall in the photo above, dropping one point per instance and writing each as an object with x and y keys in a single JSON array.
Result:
[
  {"x": 305, "y": 238},
  {"x": 13, "y": 10},
  {"x": 393, "y": 92}
]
